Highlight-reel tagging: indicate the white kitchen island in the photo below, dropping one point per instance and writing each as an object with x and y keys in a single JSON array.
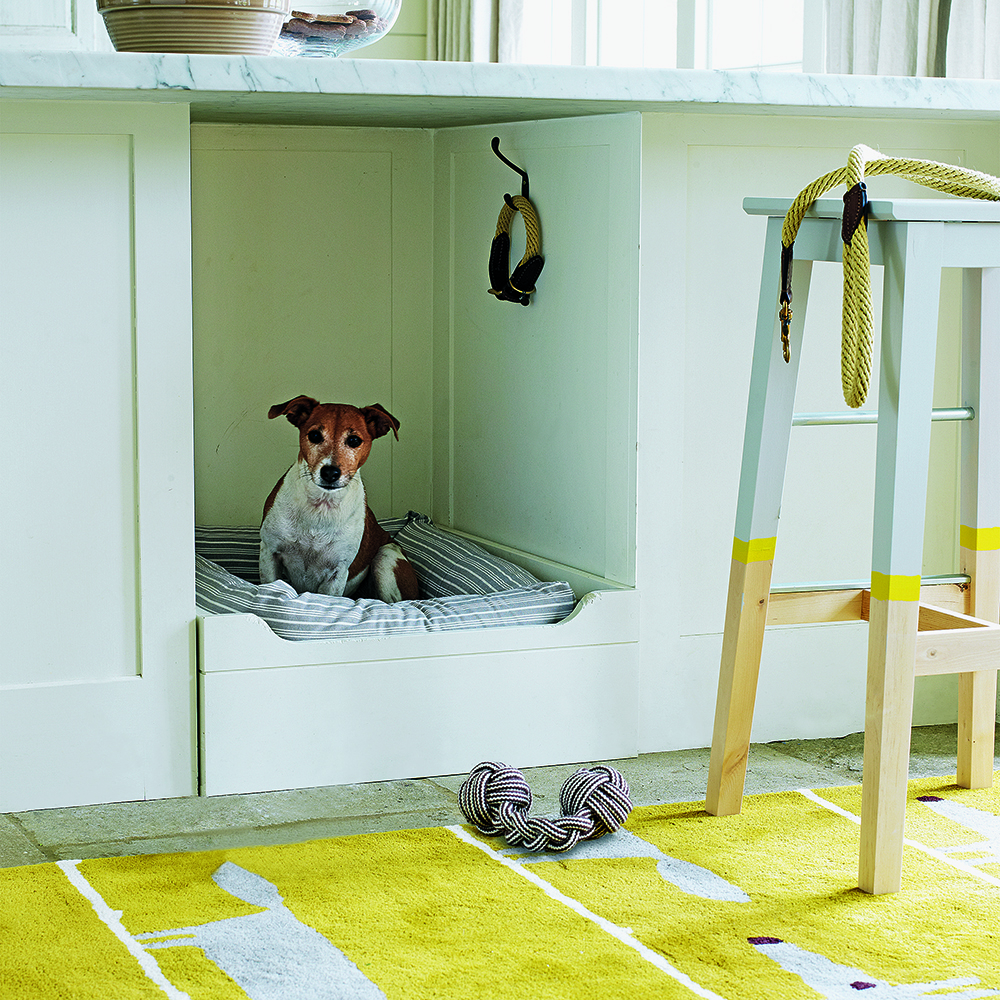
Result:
[{"x": 324, "y": 227}]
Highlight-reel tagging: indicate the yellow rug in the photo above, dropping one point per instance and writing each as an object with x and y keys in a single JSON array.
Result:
[{"x": 678, "y": 904}]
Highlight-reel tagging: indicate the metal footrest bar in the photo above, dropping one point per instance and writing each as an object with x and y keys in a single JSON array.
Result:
[
  {"x": 958, "y": 579},
  {"x": 871, "y": 416}
]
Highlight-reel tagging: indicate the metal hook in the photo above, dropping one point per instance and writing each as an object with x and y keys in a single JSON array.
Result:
[{"x": 524, "y": 176}]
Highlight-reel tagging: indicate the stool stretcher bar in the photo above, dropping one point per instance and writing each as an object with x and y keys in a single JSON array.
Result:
[
  {"x": 851, "y": 604},
  {"x": 871, "y": 416},
  {"x": 959, "y": 579}
]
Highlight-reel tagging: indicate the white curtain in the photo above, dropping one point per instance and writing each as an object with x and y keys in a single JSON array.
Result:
[
  {"x": 914, "y": 37},
  {"x": 510, "y": 24},
  {"x": 974, "y": 39},
  {"x": 885, "y": 37},
  {"x": 475, "y": 30}
]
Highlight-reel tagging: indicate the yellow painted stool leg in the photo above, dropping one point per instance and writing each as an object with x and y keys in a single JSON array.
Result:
[
  {"x": 765, "y": 451},
  {"x": 911, "y": 285},
  {"x": 888, "y": 718},
  {"x": 746, "y": 611},
  {"x": 977, "y": 691},
  {"x": 980, "y": 534}
]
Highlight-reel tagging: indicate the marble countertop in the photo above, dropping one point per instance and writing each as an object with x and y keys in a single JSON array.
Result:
[{"x": 438, "y": 94}]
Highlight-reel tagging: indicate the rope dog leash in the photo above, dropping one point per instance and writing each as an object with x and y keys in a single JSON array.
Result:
[
  {"x": 857, "y": 332},
  {"x": 518, "y": 286},
  {"x": 496, "y": 799}
]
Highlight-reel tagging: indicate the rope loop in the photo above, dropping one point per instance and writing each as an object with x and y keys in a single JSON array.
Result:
[
  {"x": 516, "y": 286},
  {"x": 858, "y": 325},
  {"x": 496, "y": 799}
]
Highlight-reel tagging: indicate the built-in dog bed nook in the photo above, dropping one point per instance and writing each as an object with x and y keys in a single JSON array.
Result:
[
  {"x": 517, "y": 437},
  {"x": 462, "y": 586}
]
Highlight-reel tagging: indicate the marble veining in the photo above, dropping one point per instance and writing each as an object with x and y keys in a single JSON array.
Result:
[{"x": 342, "y": 89}]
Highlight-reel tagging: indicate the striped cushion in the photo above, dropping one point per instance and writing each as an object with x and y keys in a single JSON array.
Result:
[
  {"x": 463, "y": 587},
  {"x": 447, "y": 564},
  {"x": 315, "y": 616},
  {"x": 236, "y": 549}
]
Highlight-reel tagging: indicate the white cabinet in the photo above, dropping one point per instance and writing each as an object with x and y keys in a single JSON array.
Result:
[
  {"x": 323, "y": 263},
  {"x": 342, "y": 219},
  {"x": 96, "y": 676}
]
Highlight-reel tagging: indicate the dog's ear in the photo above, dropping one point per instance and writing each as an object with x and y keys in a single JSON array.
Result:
[
  {"x": 295, "y": 409},
  {"x": 379, "y": 421}
]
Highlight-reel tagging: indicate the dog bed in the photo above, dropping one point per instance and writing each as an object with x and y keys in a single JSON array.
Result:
[{"x": 462, "y": 587}]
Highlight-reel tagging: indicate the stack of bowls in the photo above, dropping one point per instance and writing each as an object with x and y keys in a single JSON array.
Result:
[{"x": 231, "y": 27}]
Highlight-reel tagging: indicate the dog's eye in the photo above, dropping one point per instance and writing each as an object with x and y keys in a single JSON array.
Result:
[
  {"x": 353, "y": 441},
  {"x": 315, "y": 436}
]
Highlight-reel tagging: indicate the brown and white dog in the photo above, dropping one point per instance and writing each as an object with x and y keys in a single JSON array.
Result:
[{"x": 318, "y": 533}]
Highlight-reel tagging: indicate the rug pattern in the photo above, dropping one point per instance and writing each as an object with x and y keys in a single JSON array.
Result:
[{"x": 678, "y": 904}]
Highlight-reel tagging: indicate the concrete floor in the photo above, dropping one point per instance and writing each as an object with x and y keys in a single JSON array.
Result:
[{"x": 204, "y": 824}]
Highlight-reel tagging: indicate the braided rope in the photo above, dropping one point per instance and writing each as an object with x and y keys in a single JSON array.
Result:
[
  {"x": 496, "y": 799},
  {"x": 532, "y": 229},
  {"x": 516, "y": 286},
  {"x": 857, "y": 333}
]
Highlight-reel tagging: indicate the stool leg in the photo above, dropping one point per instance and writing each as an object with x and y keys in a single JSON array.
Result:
[
  {"x": 980, "y": 518},
  {"x": 909, "y": 333},
  {"x": 765, "y": 451},
  {"x": 888, "y": 718}
]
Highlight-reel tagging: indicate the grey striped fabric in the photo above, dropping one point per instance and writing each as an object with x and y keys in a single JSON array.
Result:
[
  {"x": 237, "y": 548},
  {"x": 447, "y": 564},
  {"x": 227, "y": 582}
]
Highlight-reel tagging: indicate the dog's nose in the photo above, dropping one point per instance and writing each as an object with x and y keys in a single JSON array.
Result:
[{"x": 329, "y": 474}]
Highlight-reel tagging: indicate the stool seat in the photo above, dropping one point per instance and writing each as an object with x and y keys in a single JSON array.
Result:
[
  {"x": 910, "y": 633},
  {"x": 887, "y": 209}
]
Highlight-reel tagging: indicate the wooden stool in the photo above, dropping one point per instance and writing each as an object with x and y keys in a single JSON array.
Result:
[{"x": 909, "y": 634}]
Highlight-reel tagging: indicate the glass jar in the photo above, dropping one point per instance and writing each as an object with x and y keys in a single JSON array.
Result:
[{"x": 339, "y": 28}]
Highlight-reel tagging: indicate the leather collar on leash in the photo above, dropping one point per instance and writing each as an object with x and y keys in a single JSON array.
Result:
[
  {"x": 858, "y": 324},
  {"x": 516, "y": 286}
]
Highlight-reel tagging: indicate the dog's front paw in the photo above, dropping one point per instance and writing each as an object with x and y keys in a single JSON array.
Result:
[{"x": 335, "y": 583}]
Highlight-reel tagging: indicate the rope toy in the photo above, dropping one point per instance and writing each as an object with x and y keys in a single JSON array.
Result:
[
  {"x": 857, "y": 336},
  {"x": 496, "y": 799},
  {"x": 518, "y": 286}
]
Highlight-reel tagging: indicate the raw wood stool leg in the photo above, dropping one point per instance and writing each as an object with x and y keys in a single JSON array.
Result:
[
  {"x": 980, "y": 519},
  {"x": 765, "y": 452},
  {"x": 909, "y": 333}
]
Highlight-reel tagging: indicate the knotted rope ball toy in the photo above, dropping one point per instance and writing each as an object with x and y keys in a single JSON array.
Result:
[{"x": 496, "y": 799}]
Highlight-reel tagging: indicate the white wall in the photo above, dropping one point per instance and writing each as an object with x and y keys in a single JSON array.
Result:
[
  {"x": 406, "y": 40},
  {"x": 535, "y": 406},
  {"x": 311, "y": 261},
  {"x": 314, "y": 267}
]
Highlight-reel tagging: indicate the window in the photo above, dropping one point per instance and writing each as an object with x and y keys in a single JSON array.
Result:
[{"x": 771, "y": 35}]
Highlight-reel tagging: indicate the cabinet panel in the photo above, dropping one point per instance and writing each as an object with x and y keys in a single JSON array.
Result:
[
  {"x": 66, "y": 379},
  {"x": 96, "y": 686},
  {"x": 310, "y": 276},
  {"x": 536, "y": 446},
  {"x": 701, "y": 258}
]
